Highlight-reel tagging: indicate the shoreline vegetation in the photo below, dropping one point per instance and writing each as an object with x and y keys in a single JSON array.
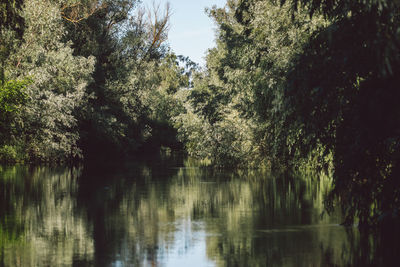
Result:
[{"x": 298, "y": 84}]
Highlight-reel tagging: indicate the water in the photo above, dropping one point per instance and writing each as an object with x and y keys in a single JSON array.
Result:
[{"x": 172, "y": 214}]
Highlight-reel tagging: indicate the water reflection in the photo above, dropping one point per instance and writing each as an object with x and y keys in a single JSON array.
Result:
[
  {"x": 163, "y": 215},
  {"x": 46, "y": 229}
]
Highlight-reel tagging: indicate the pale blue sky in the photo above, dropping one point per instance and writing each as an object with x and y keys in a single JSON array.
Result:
[{"x": 192, "y": 31}]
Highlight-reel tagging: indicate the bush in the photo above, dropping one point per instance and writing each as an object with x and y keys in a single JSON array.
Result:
[{"x": 8, "y": 154}]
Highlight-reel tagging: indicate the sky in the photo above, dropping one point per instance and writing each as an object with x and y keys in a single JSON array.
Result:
[{"x": 191, "y": 30}]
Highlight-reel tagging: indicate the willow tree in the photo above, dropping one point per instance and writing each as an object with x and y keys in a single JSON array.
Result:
[
  {"x": 47, "y": 128},
  {"x": 133, "y": 63},
  {"x": 245, "y": 81},
  {"x": 344, "y": 88}
]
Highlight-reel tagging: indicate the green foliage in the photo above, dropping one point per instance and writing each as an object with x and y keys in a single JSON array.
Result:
[
  {"x": 241, "y": 97},
  {"x": 47, "y": 125},
  {"x": 13, "y": 99},
  {"x": 10, "y": 21},
  {"x": 12, "y": 96},
  {"x": 342, "y": 89},
  {"x": 314, "y": 84},
  {"x": 310, "y": 84},
  {"x": 8, "y": 154},
  {"x": 131, "y": 101},
  {"x": 9, "y": 16},
  {"x": 103, "y": 80},
  {"x": 339, "y": 9},
  {"x": 227, "y": 142}
]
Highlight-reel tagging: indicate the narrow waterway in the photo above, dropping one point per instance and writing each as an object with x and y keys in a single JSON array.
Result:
[{"x": 170, "y": 213}]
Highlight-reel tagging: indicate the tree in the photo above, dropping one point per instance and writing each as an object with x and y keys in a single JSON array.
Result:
[
  {"x": 245, "y": 79},
  {"x": 59, "y": 78},
  {"x": 134, "y": 79},
  {"x": 343, "y": 88}
]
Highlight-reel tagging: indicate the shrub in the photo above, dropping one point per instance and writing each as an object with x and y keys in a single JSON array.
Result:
[{"x": 8, "y": 154}]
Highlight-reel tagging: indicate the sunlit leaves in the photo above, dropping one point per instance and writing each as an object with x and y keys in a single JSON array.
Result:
[
  {"x": 12, "y": 96},
  {"x": 58, "y": 84}
]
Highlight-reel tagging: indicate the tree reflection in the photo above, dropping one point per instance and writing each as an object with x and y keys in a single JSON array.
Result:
[
  {"x": 41, "y": 201},
  {"x": 151, "y": 214}
]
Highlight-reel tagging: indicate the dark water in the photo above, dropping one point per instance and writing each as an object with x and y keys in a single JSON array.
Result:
[{"x": 173, "y": 214}]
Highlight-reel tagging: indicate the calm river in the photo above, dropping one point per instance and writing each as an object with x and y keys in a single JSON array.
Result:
[{"x": 171, "y": 213}]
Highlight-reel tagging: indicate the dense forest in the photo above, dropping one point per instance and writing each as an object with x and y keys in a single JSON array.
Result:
[{"x": 304, "y": 84}]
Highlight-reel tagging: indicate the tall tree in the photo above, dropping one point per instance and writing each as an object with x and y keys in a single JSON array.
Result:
[
  {"x": 47, "y": 126},
  {"x": 128, "y": 43},
  {"x": 343, "y": 88}
]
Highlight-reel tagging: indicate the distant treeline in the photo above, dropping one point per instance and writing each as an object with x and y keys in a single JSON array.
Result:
[{"x": 309, "y": 84}]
